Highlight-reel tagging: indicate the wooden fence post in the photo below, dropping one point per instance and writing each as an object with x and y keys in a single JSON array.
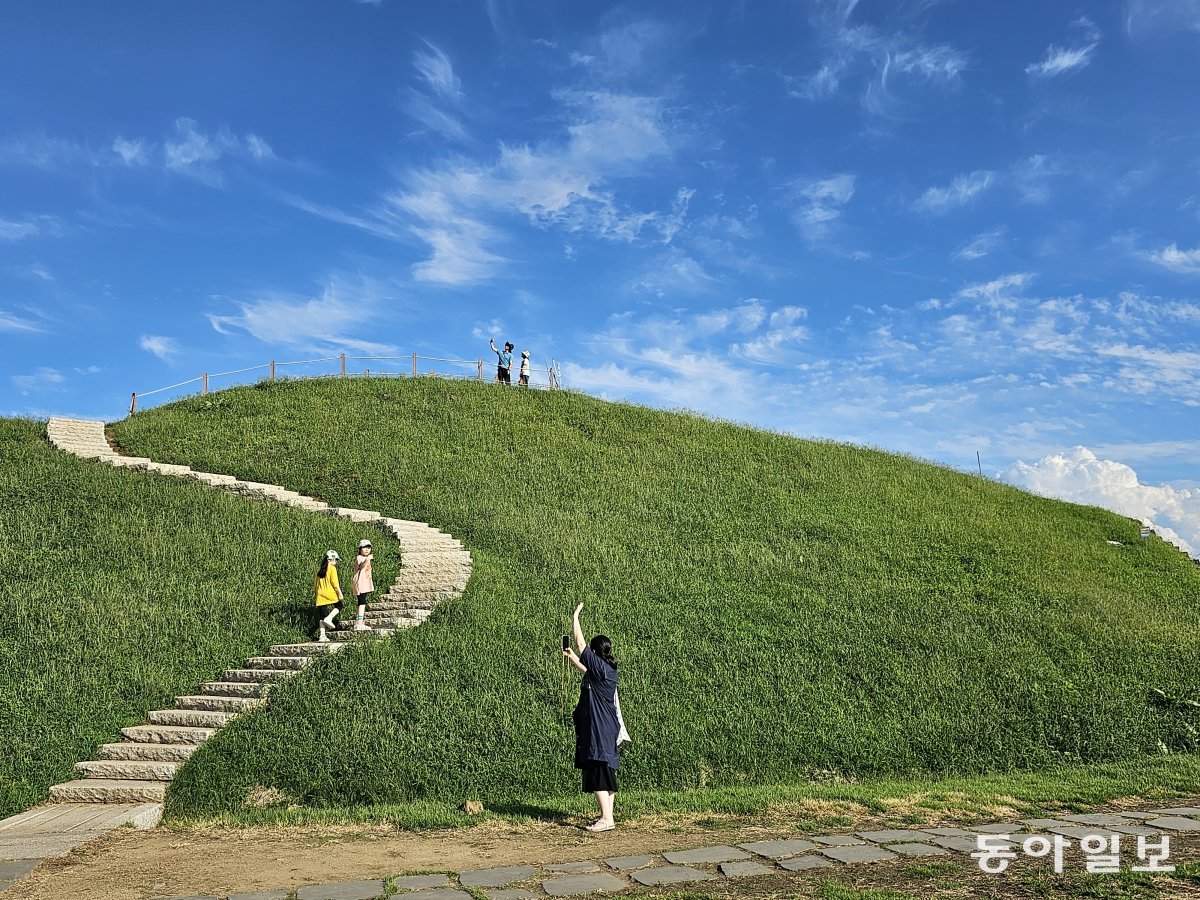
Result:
[
  {"x": 204, "y": 384},
  {"x": 133, "y": 403},
  {"x": 414, "y": 365},
  {"x": 481, "y": 368},
  {"x": 343, "y": 365},
  {"x": 272, "y": 371}
]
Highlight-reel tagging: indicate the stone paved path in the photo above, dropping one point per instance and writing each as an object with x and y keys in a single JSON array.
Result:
[
  {"x": 127, "y": 782},
  {"x": 720, "y": 862}
]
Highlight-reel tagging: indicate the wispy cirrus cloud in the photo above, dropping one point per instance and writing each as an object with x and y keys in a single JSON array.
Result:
[
  {"x": 42, "y": 379},
  {"x": 1063, "y": 60},
  {"x": 1147, "y": 18},
  {"x": 456, "y": 208},
  {"x": 1185, "y": 262},
  {"x": 817, "y": 204},
  {"x": 162, "y": 347},
  {"x": 436, "y": 103},
  {"x": 323, "y": 323},
  {"x": 15, "y": 324},
  {"x": 30, "y": 227},
  {"x": 962, "y": 190},
  {"x": 981, "y": 245},
  {"x": 873, "y": 59},
  {"x": 189, "y": 150}
]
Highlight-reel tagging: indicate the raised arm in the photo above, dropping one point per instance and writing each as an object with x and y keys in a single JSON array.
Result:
[{"x": 577, "y": 631}]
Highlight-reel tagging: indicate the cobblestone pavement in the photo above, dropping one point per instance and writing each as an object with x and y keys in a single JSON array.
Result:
[{"x": 1129, "y": 838}]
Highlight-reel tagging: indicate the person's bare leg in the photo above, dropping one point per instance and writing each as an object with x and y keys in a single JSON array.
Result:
[{"x": 604, "y": 799}]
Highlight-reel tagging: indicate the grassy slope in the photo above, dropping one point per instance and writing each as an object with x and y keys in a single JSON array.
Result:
[
  {"x": 123, "y": 590},
  {"x": 780, "y": 607}
]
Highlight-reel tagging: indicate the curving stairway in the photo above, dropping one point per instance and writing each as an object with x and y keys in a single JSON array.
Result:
[{"x": 137, "y": 770}]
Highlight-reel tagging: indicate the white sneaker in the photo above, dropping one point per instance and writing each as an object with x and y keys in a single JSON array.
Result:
[{"x": 324, "y": 638}]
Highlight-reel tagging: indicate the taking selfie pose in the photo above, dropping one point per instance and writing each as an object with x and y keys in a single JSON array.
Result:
[{"x": 596, "y": 720}]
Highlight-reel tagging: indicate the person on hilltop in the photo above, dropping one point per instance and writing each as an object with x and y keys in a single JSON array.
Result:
[
  {"x": 524, "y": 379},
  {"x": 362, "y": 583},
  {"x": 329, "y": 595},
  {"x": 597, "y": 725},
  {"x": 503, "y": 361}
]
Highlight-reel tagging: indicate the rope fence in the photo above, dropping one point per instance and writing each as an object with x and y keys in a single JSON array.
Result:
[{"x": 401, "y": 367}]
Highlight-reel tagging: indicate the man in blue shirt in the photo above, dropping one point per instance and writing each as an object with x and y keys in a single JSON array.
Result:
[{"x": 504, "y": 361}]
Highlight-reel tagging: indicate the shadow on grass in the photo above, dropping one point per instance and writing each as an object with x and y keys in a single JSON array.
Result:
[{"x": 530, "y": 810}]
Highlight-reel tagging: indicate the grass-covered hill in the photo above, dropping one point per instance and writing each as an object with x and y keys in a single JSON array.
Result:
[
  {"x": 781, "y": 609},
  {"x": 121, "y": 590}
]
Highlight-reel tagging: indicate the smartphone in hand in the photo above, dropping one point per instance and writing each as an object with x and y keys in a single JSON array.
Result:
[{"x": 566, "y": 642}]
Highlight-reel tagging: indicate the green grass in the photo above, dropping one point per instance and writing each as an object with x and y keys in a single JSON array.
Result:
[
  {"x": 123, "y": 590},
  {"x": 965, "y": 800},
  {"x": 783, "y": 610}
]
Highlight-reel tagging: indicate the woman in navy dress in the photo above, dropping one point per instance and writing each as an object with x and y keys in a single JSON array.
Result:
[{"x": 596, "y": 723}]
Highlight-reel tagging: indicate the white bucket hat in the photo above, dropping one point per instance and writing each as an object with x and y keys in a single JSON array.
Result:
[
  {"x": 363, "y": 543},
  {"x": 332, "y": 555}
]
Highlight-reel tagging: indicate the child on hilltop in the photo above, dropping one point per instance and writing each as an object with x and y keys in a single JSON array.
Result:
[
  {"x": 329, "y": 594},
  {"x": 524, "y": 380},
  {"x": 362, "y": 583}
]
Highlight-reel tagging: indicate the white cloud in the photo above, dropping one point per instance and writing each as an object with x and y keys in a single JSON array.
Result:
[
  {"x": 162, "y": 347},
  {"x": 441, "y": 88},
  {"x": 1031, "y": 177},
  {"x": 40, "y": 151},
  {"x": 455, "y": 208},
  {"x": 981, "y": 245},
  {"x": 192, "y": 152},
  {"x": 961, "y": 191},
  {"x": 872, "y": 58},
  {"x": 1186, "y": 262},
  {"x": 132, "y": 152},
  {"x": 30, "y": 226},
  {"x": 783, "y": 335},
  {"x": 818, "y": 203},
  {"x": 1080, "y": 476},
  {"x": 42, "y": 379},
  {"x": 1145, "y": 18},
  {"x": 673, "y": 273},
  {"x": 434, "y": 66},
  {"x": 1061, "y": 60},
  {"x": 321, "y": 323},
  {"x": 15, "y": 324},
  {"x": 997, "y": 293}
]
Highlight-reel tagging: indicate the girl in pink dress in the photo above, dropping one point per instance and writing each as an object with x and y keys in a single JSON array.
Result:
[{"x": 362, "y": 584}]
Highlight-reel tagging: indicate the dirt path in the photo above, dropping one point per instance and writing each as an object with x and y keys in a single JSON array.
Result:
[
  {"x": 133, "y": 865},
  {"x": 136, "y": 865}
]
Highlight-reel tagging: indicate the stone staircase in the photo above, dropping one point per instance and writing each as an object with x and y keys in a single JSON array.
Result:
[{"x": 138, "y": 769}]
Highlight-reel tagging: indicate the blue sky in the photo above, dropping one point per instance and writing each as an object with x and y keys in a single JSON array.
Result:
[{"x": 932, "y": 227}]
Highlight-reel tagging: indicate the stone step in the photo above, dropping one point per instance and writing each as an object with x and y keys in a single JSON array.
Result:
[
  {"x": 189, "y": 718},
  {"x": 395, "y": 621},
  {"x": 159, "y": 752},
  {"x": 354, "y": 515},
  {"x": 401, "y": 605},
  {"x": 129, "y": 462},
  {"x": 128, "y": 769},
  {"x": 168, "y": 734},
  {"x": 165, "y": 468},
  {"x": 312, "y": 648},
  {"x": 346, "y": 636},
  {"x": 257, "y": 675},
  {"x": 209, "y": 703},
  {"x": 211, "y": 478},
  {"x": 418, "y": 596},
  {"x": 103, "y": 790},
  {"x": 234, "y": 688},
  {"x": 278, "y": 662}
]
